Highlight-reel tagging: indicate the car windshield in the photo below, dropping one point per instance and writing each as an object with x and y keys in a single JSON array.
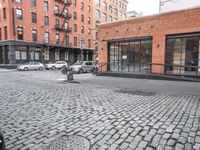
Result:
[
  {"x": 78, "y": 63},
  {"x": 27, "y": 63}
]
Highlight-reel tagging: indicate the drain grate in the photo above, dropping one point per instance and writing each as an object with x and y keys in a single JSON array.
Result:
[
  {"x": 142, "y": 93},
  {"x": 69, "y": 143}
]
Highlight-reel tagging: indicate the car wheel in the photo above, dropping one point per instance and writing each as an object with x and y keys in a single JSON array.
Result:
[
  {"x": 47, "y": 68},
  {"x": 41, "y": 68},
  {"x": 81, "y": 71},
  {"x": 26, "y": 69},
  {"x": 53, "y": 67}
]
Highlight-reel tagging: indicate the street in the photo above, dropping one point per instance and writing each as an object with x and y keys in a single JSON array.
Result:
[{"x": 37, "y": 107}]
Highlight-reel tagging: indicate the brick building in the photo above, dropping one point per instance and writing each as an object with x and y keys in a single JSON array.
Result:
[
  {"x": 167, "y": 43},
  {"x": 109, "y": 11},
  {"x": 47, "y": 30}
]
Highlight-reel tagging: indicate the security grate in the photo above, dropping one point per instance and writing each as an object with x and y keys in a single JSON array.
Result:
[{"x": 70, "y": 143}]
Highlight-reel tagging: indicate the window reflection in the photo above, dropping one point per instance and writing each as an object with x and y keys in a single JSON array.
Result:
[{"x": 130, "y": 56}]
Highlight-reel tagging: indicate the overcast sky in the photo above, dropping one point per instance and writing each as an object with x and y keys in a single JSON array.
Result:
[{"x": 148, "y": 7}]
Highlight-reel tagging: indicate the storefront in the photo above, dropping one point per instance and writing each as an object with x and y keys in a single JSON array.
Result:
[
  {"x": 167, "y": 43},
  {"x": 131, "y": 55}
]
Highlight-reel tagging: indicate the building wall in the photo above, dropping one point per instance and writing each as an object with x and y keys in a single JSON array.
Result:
[
  {"x": 174, "y": 5},
  {"x": 156, "y": 26},
  {"x": 39, "y": 26}
]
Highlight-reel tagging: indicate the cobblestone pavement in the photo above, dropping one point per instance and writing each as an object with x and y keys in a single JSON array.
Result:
[{"x": 35, "y": 111}]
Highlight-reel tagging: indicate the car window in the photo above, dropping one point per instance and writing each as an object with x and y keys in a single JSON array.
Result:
[{"x": 88, "y": 63}]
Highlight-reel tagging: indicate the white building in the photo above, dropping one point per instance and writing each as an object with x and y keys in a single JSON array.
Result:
[{"x": 172, "y": 5}]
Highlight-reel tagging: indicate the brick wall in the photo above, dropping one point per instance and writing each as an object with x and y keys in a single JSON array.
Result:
[{"x": 156, "y": 26}]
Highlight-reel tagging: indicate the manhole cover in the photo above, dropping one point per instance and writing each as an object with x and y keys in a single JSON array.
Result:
[
  {"x": 142, "y": 93},
  {"x": 70, "y": 143}
]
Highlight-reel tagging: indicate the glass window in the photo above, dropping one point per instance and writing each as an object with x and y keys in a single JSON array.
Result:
[
  {"x": 82, "y": 6},
  {"x": 75, "y": 15},
  {"x": 34, "y": 17},
  {"x": 20, "y": 33},
  {"x": 4, "y": 13},
  {"x": 0, "y": 34},
  {"x": 46, "y": 37},
  {"x": 97, "y": 13},
  {"x": 75, "y": 41},
  {"x": 33, "y": 3},
  {"x": 34, "y": 35},
  {"x": 17, "y": 55},
  {"x": 182, "y": 55},
  {"x": 19, "y": 14},
  {"x": 18, "y": 1},
  {"x": 46, "y": 21},
  {"x": 6, "y": 32},
  {"x": 46, "y": 6},
  {"x": 75, "y": 27}
]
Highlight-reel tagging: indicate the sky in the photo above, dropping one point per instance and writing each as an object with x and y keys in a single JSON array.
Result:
[{"x": 148, "y": 7}]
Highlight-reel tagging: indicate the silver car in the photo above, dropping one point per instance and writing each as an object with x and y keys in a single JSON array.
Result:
[
  {"x": 31, "y": 66},
  {"x": 83, "y": 66}
]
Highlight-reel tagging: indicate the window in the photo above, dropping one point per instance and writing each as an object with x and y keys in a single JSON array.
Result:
[
  {"x": 97, "y": 24},
  {"x": 67, "y": 39},
  {"x": 97, "y": 3},
  {"x": 34, "y": 35},
  {"x": 75, "y": 27},
  {"x": 89, "y": 20},
  {"x": 0, "y": 34},
  {"x": 56, "y": 8},
  {"x": 20, "y": 33},
  {"x": 34, "y": 17},
  {"x": 89, "y": 9},
  {"x": 4, "y": 13},
  {"x": 89, "y": 31},
  {"x": 82, "y": 29},
  {"x": 110, "y": 9},
  {"x": 82, "y": 6},
  {"x": 46, "y": 37},
  {"x": 46, "y": 21},
  {"x": 66, "y": 25},
  {"x": 57, "y": 38},
  {"x": 104, "y": 6},
  {"x": 110, "y": 19},
  {"x": 18, "y": 1},
  {"x": 19, "y": 14},
  {"x": 46, "y": 6},
  {"x": 97, "y": 13},
  {"x": 17, "y": 55},
  {"x": 104, "y": 17},
  {"x": 74, "y": 2},
  {"x": 33, "y": 3},
  {"x": 115, "y": 12},
  {"x": 5, "y": 33},
  {"x": 75, "y": 41},
  {"x": 82, "y": 18},
  {"x": 75, "y": 15}
]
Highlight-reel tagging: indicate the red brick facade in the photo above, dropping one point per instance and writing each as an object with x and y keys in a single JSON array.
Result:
[{"x": 156, "y": 26}]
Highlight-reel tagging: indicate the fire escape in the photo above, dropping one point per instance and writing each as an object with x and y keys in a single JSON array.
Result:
[{"x": 64, "y": 16}]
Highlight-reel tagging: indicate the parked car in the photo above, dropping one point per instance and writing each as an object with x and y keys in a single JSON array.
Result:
[
  {"x": 30, "y": 66},
  {"x": 83, "y": 66},
  {"x": 57, "y": 64}
]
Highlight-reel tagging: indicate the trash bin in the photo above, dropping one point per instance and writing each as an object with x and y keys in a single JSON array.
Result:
[
  {"x": 2, "y": 142},
  {"x": 70, "y": 74}
]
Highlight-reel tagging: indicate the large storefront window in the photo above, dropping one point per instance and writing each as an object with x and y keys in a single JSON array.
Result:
[
  {"x": 182, "y": 55},
  {"x": 134, "y": 56}
]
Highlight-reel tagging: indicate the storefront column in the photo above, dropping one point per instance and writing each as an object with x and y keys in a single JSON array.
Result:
[
  {"x": 11, "y": 54},
  {"x": 158, "y": 54},
  {"x": 28, "y": 54}
]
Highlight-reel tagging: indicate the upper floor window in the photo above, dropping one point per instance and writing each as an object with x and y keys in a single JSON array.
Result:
[
  {"x": 20, "y": 33},
  {"x": 33, "y": 3},
  {"x": 104, "y": 6},
  {"x": 110, "y": 9},
  {"x": 0, "y": 34},
  {"x": 34, "y": 17},
  {"x": 4, "y": 13},
  {"x": 89, "y": 9},
  {"x": 75, "y": 15},
  {"x": 97, "y": 13},
  {"x": 34, "y": 35},
  {"x": 89, "y": 20},
  {"x": 19, "y": 14},
  {"x": 6, "y": 32},
  {"x": 82, "y": 18},
  {"x": 46, "y": 6},
  {"x": 74, "y": 2},
  {"x": 46, "y": 21},
  {"x": 46, "y": 37},
  {"x": 82, "y": 29},
  {"x": 18, "y": 1},
  {"x": 82, "y": 6},
  {"x": 97, "y": 3}
]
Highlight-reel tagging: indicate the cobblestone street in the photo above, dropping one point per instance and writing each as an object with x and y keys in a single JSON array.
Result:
[{"x": 36, "y": 108}]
